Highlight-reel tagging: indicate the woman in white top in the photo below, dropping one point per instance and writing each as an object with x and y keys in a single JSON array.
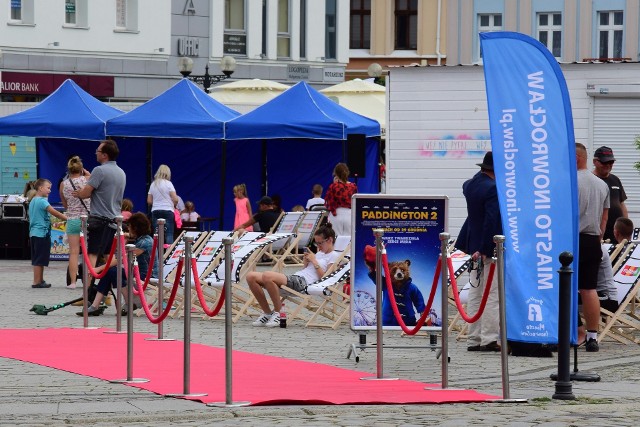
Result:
[
  {"x": 315, "y": 266},
  {"x": 163, "y": 200},
  {"x": 74, "y": 207}
]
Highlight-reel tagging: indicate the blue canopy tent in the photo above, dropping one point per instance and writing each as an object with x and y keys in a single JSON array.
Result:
[
  {"x": 182, "y": 128},
  {"x": 68, "y": 122},
  {"x": 299, "y": 137}
]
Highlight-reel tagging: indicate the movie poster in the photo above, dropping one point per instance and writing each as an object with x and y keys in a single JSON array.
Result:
[
  {"x": 412, "y": 226},
  {"x": 59, "y": 242}
]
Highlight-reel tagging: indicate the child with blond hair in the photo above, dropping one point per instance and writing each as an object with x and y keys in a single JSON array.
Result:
[
  {"x": 40, "y": 231},
  {"x": 243, "y": 206}
]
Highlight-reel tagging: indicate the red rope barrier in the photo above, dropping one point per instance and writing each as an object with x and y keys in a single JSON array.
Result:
[
  {"x": 87, "y": 262},
  {"x": 456, "y": 296},
  {"x": 392, "y": 297},
  {"x": 172, "y": 297},
  {"x": 203, "y": 303}
]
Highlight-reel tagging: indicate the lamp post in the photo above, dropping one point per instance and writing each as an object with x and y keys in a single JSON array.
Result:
[
  {"x": 227, "y": 66},
  {"x": 375, "y": 70}
]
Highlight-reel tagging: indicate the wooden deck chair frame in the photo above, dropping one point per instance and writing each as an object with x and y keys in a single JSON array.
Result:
[
  {"x": 334, "y": 303},
  {"x": 304, "y": 304},
  {"x": 245, "y": 260},
  {"x": 623, "y": 325},
  {"x": 335, "y": 307}
]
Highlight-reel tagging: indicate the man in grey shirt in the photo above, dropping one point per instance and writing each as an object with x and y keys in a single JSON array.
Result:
[
  {"x": 106, "y": 189},
  {"x": 593, "y": 204}
]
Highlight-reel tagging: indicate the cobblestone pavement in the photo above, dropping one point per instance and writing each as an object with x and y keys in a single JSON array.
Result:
[{"x": 32, "y": 395}]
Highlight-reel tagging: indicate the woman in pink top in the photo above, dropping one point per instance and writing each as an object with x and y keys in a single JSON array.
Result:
[{"x": 243, "y": 206}]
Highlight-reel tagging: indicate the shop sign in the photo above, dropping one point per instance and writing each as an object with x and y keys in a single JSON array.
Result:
[
  {"x": 235, "y": 44},
  {"x": 297, "y": 72}
]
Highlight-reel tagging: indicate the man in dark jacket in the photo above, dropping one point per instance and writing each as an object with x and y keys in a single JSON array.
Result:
[{"x": 476, "y": 238}]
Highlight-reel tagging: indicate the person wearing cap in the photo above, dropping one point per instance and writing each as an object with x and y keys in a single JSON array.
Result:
[
  {"x": 266, "y": 216},
  {"x": 603, "y": 160},
  {"x": 593, "y": 207},
  {"x": 476, "y": 238}
]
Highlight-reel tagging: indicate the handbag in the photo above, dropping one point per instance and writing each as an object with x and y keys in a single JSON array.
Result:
[{"x": 178, "y": 219}]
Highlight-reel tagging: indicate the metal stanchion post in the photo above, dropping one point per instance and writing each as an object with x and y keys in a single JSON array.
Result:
[
  {"x": 444, "y": 286},
  {"x": 160, "y": 261},
  {"x": 130, "y": 283},
  {"x": 188, "y": 241},
  {"x": 228, "y": 321},
  {"x": 378, "y": 232},
  {"x": 564, "y": 386},
  {"x": 444, "y": 241},
  {"x": 118, "y": 302}
]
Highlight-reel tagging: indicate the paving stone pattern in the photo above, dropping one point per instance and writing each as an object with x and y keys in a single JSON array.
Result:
[{"x": 32, "y": 395}]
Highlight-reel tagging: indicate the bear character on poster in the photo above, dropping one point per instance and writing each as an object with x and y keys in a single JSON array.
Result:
[{"x": 407, "y": 295}]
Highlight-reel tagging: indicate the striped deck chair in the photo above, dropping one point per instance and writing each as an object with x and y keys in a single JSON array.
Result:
[
  {"x": 326, "y": 299},
  {"x": 288, "y": 223},
  {"x": 307, "y": 227},
  {"x": 208, "y": 256},
  {"x": 461, "y": 263},
  {"x": 336, "y": 305},
  {"x": 624, "y": 325},
  {"x": 171, "y": 257},
  {"x": 245, "y": 253}
]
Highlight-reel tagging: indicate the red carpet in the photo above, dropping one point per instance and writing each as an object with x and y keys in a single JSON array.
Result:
[{"x": 262, "y": 380}]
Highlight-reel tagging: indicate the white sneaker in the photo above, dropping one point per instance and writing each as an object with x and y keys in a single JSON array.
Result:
[
  {"x": 262, "y": 320},
  {"x": 274, "y": 320}
]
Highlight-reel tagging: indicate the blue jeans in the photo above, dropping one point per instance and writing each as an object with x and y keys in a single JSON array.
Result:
[{"x": 169, "y": 225}]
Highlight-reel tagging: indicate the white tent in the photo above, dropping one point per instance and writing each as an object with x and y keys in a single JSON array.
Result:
[
  {"x": 363, "y": 97},
  {"x": 245, "y": 95}
]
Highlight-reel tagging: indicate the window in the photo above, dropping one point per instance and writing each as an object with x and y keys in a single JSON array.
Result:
[
  {"x": 360, "y": 37},
  {"x": 610, "y": 34},
  {"x": 488, "y": 23},
  {"x": 406, "y": 13},
  {"x": 284, "y": 32},
  {"x": 303, "y": 28},
  {"x": 235, "y": 36},
  {"x": 234, "y": 15},
  {"x": 330, "y": 42},
  {"x": 16, "y": 10},
  {"x": 21, "y": 12},
  {"x": 126, "y": 15},
  {"x": 550, "y": 32},
  {"x": 70, "y": 12}
]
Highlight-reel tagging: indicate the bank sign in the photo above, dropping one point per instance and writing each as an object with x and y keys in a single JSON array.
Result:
[{"x": 45, "y": 84}]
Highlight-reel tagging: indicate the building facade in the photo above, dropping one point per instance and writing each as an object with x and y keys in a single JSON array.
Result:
[
  {"x": 128, "y": 50},
  {"x": 395, "y": 32},
  {"x": 573, "y": 30}
]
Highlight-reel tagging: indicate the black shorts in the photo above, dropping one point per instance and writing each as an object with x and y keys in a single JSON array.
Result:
[
  {"x": 589, "y": 262},
  {"x": 100, "y": 235},
  {"x": 40, "y": 250}
]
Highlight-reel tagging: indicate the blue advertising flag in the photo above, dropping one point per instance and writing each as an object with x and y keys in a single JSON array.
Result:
[{"x": 535, "y": 166}]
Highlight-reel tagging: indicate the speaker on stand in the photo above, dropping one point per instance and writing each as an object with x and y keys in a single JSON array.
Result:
[{"x": 356, "y": 155}]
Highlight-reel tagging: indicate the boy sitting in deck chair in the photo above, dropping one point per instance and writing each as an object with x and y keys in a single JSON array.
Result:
[{"x": 315, "y": 265}]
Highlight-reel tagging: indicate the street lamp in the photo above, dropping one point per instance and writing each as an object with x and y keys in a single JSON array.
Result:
[
  {"x": 227, "y": 66},
  {"x": 375, "y": 71}
]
